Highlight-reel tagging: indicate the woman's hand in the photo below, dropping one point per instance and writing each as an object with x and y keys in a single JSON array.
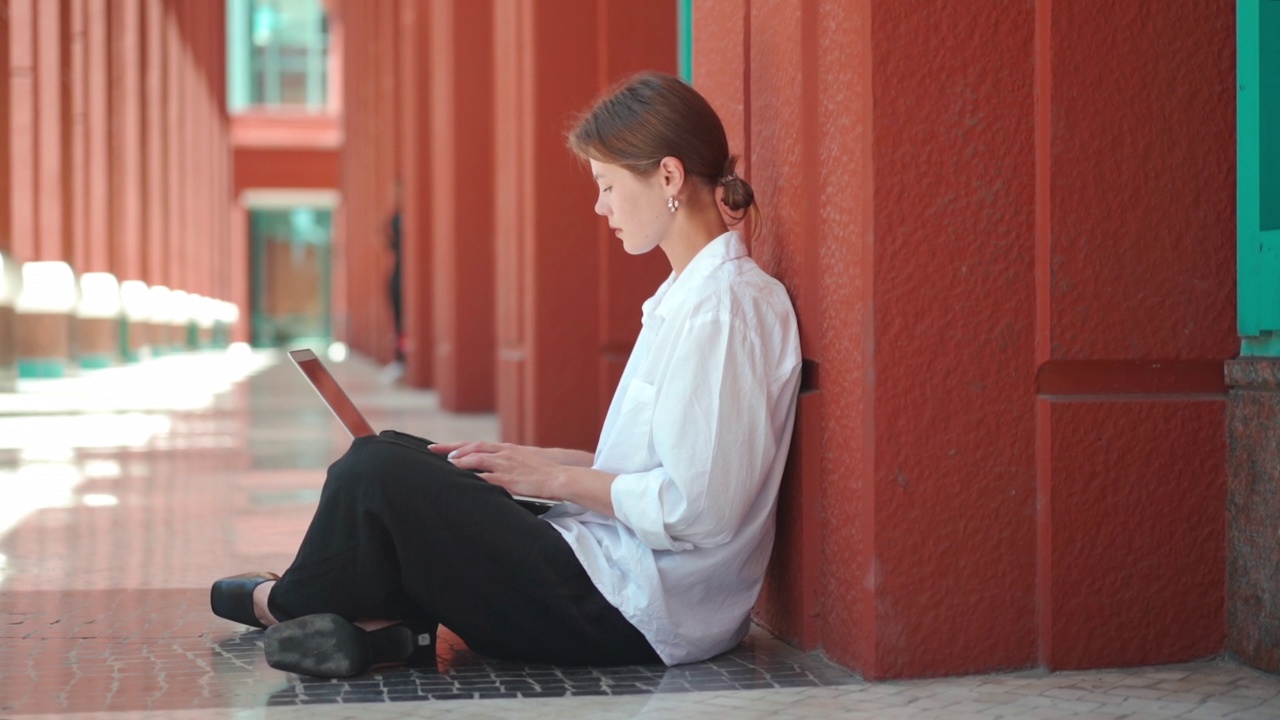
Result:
[
  {"x": 521, "y": 470},
  {"x": 561, "y": 456},
  {"x": 534, "y": 471}
]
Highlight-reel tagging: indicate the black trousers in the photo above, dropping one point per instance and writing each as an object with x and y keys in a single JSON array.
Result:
[{"x": 400, "y": 533}]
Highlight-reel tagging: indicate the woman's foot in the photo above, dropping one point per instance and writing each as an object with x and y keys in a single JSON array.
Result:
[
  {"x": 260, "y": 607},
  {"x": 235, "y": 598},
  {"x": 326, "y": 645}
]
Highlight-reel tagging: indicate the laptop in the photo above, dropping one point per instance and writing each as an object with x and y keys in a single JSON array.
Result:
[{"x": 356, "y": 424}]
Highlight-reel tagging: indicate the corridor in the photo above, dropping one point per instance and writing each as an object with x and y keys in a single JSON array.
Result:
[{"x": 125, "y": 491}]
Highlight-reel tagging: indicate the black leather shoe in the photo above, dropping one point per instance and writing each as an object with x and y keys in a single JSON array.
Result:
[
  {"x": 326, "y": 645},
  {"x": 232, "y": 597}
]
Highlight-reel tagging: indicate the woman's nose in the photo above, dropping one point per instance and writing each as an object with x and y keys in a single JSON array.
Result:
[{"x": 601, "y": 208}]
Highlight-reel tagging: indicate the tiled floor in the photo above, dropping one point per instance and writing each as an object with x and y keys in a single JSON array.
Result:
[{"x": 125, "y": 492}]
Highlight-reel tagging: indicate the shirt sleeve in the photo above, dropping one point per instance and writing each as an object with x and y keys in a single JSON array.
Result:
[{"x": 713, "y": 434}]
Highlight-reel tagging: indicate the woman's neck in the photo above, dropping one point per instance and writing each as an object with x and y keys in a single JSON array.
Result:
[{"x": 692, "y": 231}]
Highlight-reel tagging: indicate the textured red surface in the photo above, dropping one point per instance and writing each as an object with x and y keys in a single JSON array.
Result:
[
  {"x": 1135, "y": 516},
  {"x": 953, "y": 289},
  {"x": 461, "y": 173},
  {"x": 1136, "y": 271},
  {"x": 1142, "y": 216},
  {"x": 259, "y": 167},
  {"x": 955, "y": 195},
  {"x": 415, "y": 64}
]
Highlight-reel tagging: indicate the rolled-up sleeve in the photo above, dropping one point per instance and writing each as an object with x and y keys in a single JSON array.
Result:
[{"x": 712, "y": 435}]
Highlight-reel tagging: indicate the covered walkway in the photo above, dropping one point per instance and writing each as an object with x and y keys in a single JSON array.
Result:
[{"x": 113, "y": 521}]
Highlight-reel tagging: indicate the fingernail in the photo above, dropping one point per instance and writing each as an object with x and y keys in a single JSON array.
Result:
[{"x": 453, "y": 455}]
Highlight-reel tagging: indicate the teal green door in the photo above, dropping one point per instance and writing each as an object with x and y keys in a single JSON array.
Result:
[
  {"x": 291, "y": 276},
  {"x": 1258, "y": 193}
]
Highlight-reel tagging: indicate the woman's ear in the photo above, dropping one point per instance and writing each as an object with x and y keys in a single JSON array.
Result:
[{"x": 671, "y": 171}]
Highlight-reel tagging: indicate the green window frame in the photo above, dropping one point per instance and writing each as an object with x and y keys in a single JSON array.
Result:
[
  {"x": 684, "y": 39},
  {"x": 1258, "y": 168}
]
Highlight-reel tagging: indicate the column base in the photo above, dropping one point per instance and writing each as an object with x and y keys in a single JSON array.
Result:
[
  {"x": 97, "y": 361},
  {"x": 42, "y": 367},
  {"x": 1253, "y": 511}
]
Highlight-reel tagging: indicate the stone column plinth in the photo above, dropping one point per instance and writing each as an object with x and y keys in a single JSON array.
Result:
[
  {"x": 42, "y": 343},
  {"x": 98, "y": 342},
  {"x": 8, "y": 358},
  {"x": 1253, "y": 511}
]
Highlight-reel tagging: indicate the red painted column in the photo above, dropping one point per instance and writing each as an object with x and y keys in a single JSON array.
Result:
[
  {"x": 77, "y": 77},
  {"x": 176, "y": 212},
  {"x": 239, "y": 291},
  {"x": 461, "y": 154},
  {"x": 221, "y": 198},
  {"x": 342, "y": 267},
  {"x": 1001, "y": 270},
  {"x": 549, "y": 242},
  {"x": 890, "y": 459},
  {"x": 102, "y": 195},
  {"x": 155, "y": 164},
  {"x": 352, "y": 260},
  {"x": 388, "y": 169},
  {"x": 22, "y": 127},
  {"x": 339, "y": 64},
  {"x": 1135, "y": 315},
  {"x": 187, "y": 238},
  {"x": 416, "y": 132},
  {"x": 126, "y": 70},
  {"x": 6, "y": 154},
  {"x": 52, "y": 130}
]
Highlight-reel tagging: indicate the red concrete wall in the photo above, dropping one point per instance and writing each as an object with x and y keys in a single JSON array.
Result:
[{"x": 1008, "y": 374}]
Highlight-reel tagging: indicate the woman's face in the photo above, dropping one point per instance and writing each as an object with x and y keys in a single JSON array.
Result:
[{"x": 635, "y": 206}]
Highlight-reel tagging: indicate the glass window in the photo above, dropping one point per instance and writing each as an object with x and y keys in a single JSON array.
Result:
[{"x": 278, "y": 54}]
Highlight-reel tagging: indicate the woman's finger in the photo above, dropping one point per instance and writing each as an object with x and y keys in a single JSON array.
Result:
[{"x": 463, "y": 449}]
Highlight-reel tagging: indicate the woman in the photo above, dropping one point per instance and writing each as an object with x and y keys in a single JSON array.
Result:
[{"x": 659, "y": 549}]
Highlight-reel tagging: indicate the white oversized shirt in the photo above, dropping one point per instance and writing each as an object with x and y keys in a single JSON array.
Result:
[{"x": 697, "y": 433}]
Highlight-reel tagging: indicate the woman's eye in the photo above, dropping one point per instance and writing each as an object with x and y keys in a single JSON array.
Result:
[{"x": 605, "y": 190}]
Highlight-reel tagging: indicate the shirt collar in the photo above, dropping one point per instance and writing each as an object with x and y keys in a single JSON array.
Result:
[{"x": 724, "y": 248}]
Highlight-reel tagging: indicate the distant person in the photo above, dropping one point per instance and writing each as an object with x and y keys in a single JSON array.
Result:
[
  {"x": 658, "y": 552},
  {"x": 395, "y": 370}
]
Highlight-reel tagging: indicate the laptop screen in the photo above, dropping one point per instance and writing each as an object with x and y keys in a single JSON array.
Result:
[{"x": 331, "y": 393}]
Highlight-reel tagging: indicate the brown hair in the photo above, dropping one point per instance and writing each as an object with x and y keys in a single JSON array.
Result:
[{"x": 652, "y": 115}]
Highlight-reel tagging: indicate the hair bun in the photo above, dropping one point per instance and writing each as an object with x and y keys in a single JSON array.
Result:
[{"x": 738, "y": 195}]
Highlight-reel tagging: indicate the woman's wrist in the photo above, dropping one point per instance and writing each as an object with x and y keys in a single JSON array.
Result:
[
  {"x": 572, "y": 458},
  {"x": 588, "y": 487}
]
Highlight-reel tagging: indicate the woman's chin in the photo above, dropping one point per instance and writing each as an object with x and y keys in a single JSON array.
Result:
[{"x": 638, "y": 249}]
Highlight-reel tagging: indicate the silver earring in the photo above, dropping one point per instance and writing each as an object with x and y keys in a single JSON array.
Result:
[{"x": 673, "y": 204}]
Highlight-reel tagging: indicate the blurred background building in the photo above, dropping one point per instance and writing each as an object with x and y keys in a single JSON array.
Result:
[{"x": 1034, "y": 248}]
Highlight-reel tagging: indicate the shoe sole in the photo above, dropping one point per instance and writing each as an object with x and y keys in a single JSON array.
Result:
[{"x": 326, "y": 645}]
